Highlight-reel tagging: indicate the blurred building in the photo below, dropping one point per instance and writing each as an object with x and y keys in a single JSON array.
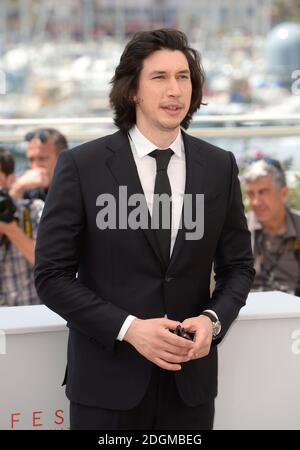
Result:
[
  {"x": 283, "y": 52},
  {"x": 41, "y": 20}
]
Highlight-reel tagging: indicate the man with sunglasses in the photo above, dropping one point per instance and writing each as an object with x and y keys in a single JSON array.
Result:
[
  {"x": 43, "y": 150},
  {"x": 275, "y": 229}
]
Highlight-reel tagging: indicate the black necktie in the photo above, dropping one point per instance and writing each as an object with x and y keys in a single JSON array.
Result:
[{"x": 162, "y": 186}]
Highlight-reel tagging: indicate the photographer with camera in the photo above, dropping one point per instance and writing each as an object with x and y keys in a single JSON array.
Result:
[
  {"x": 18, "y": 227},
  {"x": 44, "y": 146},
  {"x": 275, "y": 229}
]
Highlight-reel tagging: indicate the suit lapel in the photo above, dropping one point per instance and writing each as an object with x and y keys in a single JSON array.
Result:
[
  {"x": 123, "y": 168},
  {"x": 195, "y": 184}
]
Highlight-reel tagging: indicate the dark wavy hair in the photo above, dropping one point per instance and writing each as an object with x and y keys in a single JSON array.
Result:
[{"x": 126, "y": 77}]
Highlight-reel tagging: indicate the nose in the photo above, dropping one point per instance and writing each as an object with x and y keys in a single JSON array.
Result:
[
  {"x": 34, "y": 164},
  {"x": 173, "y": 88},
  {"x": 255, "y": 201}
]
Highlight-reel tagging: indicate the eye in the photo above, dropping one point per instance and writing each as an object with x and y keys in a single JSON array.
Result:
[{"x": 184, "y": 76}]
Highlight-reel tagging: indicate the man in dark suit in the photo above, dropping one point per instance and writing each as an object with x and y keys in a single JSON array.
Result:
[{"x": 127, "y": 369}]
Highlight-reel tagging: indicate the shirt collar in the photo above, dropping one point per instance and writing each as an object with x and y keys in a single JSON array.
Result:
[{"x": 143, "y": 146}]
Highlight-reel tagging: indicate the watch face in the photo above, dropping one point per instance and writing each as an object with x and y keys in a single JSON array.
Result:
[{"x": 216, "y": 328}]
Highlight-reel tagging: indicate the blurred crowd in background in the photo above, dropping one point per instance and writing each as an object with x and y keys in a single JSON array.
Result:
[{"x": 57, "y": 60}]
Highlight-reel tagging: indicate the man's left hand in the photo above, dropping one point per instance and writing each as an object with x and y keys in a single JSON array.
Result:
[{"x": 201, "y": 327}]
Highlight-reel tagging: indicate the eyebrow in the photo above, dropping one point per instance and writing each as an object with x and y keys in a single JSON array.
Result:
[{"x": 162, "y": 72}]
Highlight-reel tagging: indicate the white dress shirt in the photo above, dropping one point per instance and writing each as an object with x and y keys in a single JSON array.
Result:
[{"x": 146, "y": 167}]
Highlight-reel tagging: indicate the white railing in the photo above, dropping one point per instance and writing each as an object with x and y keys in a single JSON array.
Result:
[{"x": 85, "y": 128}]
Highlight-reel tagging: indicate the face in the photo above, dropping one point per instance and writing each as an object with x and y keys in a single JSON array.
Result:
[
  {"x": 164, "y": 92},
  {"x": 6, "y": 181},
  {"x": 41, "y": 154},
  {"x": 265, "y": 199}
]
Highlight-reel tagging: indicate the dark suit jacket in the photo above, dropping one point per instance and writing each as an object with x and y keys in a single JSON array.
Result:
[{"x": 120, "y": 272}]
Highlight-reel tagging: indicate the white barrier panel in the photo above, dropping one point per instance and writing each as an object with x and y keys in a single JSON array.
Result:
[
  {"x": 259, "y": 367},
  {"x": 32, "y": 369}
]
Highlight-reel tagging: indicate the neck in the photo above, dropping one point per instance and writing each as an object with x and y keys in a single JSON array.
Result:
[
  {"x": 278, "y": 224},
  {"x": 161, "y": 138}
]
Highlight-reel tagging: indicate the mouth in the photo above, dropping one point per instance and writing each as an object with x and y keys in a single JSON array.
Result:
[
  {"x": 260, "y": 211},
  {"x": 172, "y": 109}
]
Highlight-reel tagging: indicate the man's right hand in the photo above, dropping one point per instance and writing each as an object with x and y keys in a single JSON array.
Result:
[
  {"x": 152, "y": 339},
  {"x": 31, "y": 179}
]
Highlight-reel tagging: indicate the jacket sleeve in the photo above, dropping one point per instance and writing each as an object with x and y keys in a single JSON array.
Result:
[
  {"x": 233, "y": 261},
  {"x": 58, "y": 249}
]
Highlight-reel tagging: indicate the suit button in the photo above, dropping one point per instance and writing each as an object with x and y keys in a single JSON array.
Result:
[{"x": 168, "y": 279}]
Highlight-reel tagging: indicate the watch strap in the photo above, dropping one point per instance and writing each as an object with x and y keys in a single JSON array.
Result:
[
  {"x": 211, "y": 316},
  {"x": 215, "y": 323}
]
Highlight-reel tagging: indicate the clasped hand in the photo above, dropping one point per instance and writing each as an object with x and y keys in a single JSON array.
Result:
[{"x": 152, "y": 339}]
